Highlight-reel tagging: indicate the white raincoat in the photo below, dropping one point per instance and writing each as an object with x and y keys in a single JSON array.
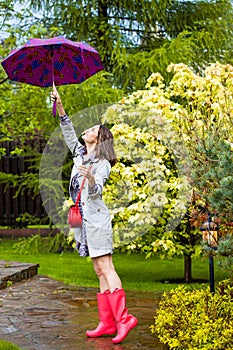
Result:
[{"x": 97, "y": 218}]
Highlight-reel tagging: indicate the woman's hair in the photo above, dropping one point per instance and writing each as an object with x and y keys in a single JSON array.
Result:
[{"x": 105, "y": 145}]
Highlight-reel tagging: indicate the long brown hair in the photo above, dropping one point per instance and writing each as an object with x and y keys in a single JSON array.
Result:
[{"x": 105, "y": 145}]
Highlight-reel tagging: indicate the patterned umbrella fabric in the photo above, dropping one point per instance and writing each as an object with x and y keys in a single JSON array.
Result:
[{"x": 59, "y": 61}]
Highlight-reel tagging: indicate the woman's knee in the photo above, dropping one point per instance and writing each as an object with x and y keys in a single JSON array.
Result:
[
  {"x": 102, "y": 267},
  {"x": 98, "y": 270}
]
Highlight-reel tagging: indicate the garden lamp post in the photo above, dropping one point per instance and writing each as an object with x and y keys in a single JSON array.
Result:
[{"x": 210, "y": 236}]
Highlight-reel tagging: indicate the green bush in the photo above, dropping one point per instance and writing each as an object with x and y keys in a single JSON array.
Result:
[
  {"x": 197, "y": 319},
  {"x": 7, "y": 346},
  {"x": 225, "y": 251}
]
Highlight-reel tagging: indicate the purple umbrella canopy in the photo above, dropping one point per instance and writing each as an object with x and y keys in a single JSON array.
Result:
[{"x": 58, "y": 61}]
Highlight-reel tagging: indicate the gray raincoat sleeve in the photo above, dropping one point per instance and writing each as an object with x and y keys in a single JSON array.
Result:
[{"x": 71, "y": 138}]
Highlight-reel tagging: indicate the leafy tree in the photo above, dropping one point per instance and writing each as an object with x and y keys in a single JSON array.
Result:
[
  {"x": 191, "y": 119},
  {"x": 205, "y": 121},
  {"x": 136, "y": 39},
  {"x": 6, "y": 12}
]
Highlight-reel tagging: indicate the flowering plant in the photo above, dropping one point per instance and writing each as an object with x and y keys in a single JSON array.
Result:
[
  {"x": 70, "y": 237},
  {"x": 171, "y": 139},
  {"x": 67, "y": 204}
]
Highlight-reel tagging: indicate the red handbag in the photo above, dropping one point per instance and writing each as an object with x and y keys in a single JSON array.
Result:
[{"x": 74, "y": 215}]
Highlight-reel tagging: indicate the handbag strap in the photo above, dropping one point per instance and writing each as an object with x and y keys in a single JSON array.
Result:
[{"x": 79, "y": 193}]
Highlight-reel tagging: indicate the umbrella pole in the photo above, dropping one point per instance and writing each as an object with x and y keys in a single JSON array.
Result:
[{"x": 54, "y": 102}]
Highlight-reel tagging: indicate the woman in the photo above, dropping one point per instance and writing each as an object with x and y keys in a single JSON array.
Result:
[{"x": 93, "y": 162}]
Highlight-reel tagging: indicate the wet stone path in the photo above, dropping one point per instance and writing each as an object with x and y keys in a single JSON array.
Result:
[{"x": 40, "y": 313}]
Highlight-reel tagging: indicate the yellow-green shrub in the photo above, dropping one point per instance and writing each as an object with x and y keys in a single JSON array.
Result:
[{"x": 198, "y": 319}]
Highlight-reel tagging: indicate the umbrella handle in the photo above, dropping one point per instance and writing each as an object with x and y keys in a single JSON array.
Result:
[
  {"x": 54, "y": 102},
  {"x": 54, "y": 108}
]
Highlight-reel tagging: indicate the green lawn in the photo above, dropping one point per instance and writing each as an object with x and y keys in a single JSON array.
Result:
[
  {"x": 136, "y": 272},
  {"x": 7, "y": 346}
]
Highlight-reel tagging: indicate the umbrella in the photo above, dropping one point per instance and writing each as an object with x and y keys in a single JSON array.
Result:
[{"x": 55, "y": 61}]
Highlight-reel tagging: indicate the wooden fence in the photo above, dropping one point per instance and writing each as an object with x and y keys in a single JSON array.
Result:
[{"x": 10, "y": 207}]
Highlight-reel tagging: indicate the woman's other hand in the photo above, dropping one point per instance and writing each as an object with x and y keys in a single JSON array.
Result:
[{"x": 86, "y": 172}]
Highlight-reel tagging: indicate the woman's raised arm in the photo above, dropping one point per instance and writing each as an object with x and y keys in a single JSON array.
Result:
[{"x": 67, "y": 128}]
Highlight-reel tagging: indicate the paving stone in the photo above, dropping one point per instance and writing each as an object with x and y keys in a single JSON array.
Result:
[
  {"x": 44, "y": 314},
  {"x": 11, "y": 272}
]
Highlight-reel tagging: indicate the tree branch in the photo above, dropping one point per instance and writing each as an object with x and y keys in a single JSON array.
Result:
[{"x": 3, "y": 81}]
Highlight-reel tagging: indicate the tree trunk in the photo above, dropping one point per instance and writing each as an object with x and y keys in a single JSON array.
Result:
[
  {"x": 102, "y": 37},
  {"x": 188, "y": 268}
]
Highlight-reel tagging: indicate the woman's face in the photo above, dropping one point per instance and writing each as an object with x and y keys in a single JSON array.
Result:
[{"x": 90, "y": 135}]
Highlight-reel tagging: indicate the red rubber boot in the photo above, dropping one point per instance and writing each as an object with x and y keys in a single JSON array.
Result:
[
  {"x": 107, "y": 325},
  {"x": 125, "y": 321}
]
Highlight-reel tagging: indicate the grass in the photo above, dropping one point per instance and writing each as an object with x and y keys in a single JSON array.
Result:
[
  {"x": 7, "y": 346},
  {"x": 136, "y": 272}
]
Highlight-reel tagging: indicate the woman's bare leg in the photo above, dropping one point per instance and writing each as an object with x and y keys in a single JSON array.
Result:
[
  {"x": 108, "y": 277},
  {"x": 117, "y": 311},
  {"x": 109, "y": 280}
]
